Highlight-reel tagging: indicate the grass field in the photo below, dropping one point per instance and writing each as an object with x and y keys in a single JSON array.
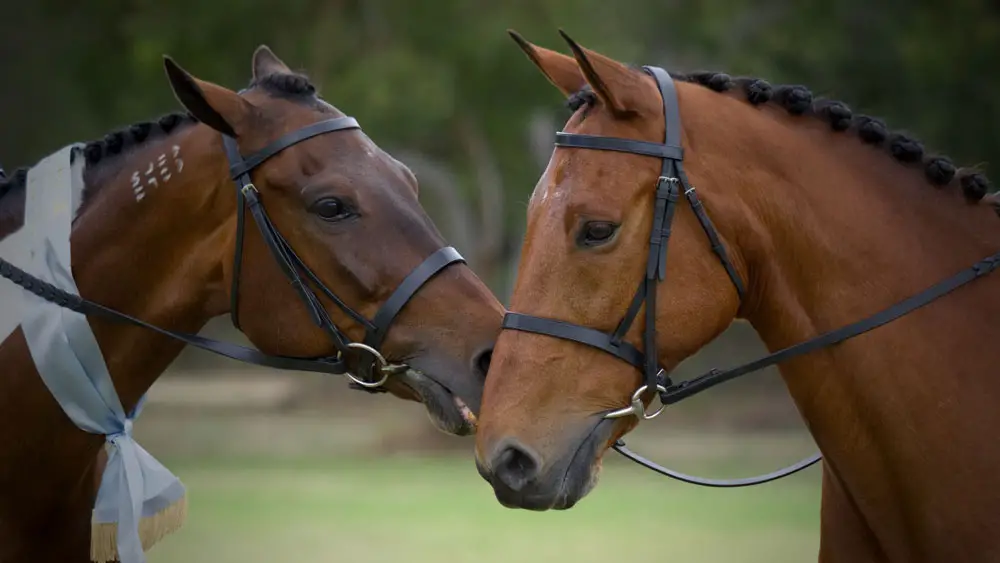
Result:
[{"x": 438, "y": 509}]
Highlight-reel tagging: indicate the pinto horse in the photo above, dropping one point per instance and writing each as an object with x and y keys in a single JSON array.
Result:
[
  {"x": 162, "y": 251},
  {"x": 818, "y": 218}
]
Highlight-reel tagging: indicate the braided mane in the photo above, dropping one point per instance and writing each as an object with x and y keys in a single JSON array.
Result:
[
  {"x": 292, "y": 86},
  {"x": 798, "y": 100}
]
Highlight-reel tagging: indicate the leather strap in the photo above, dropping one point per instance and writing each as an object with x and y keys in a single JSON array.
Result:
[
  {"x": 244, "y": 165},
  {"x": 694, "y": 386},
  {"x": 439, "y": 260},
  {"x": 575, "y": 140},
  {"x": 83, "y": 306},
  {"x": 277, "y": 248},
  {"x": 301, "y": 265},
  {"x": 671, "y": 109},
  {"x": 711, "y": 232},
  {"x": 576, "y": 333},
  {"x": 233, "y": 155},
  {"x": 621, "y": 448}
]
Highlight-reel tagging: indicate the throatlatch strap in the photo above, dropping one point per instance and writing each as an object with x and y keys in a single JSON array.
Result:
[{"x": 713, "y": 235}]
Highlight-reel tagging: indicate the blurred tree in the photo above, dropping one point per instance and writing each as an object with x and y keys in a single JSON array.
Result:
[{"x": 440, "y": 84}]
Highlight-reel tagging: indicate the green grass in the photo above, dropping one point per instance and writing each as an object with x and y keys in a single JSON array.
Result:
[{"x": 413, "y": 509}]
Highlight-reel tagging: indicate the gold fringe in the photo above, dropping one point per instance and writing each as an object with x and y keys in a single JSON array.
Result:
[{"x": 103, "y": 536}]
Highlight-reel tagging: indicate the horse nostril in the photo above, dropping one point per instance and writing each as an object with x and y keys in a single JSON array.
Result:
[
  {"x": 483, "y": 360},
  {"x": 515, "y": 466}
]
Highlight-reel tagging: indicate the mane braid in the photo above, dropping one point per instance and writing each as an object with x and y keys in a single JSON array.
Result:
[
  {"x": 798, "y": 100},
  {"x": 285, "y": 85},
  {"x": 124, "y": 140},
  {"x": 296, "y": 86},
  {"x": 101, "y": 150},
  {"x": 585, "y": 97}
]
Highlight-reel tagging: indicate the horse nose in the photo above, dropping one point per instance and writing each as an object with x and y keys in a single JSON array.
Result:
[
  {"x": 481, "y": 361},
  {"x": 515, "y": 465}
]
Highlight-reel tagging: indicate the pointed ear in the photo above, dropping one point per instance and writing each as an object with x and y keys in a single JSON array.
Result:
[
  {"x": 614, "y": 83},
  {"x": 219, "y": 108},
  {"x": 561, "y": 70},
  {"x": 266, "y": 63}
]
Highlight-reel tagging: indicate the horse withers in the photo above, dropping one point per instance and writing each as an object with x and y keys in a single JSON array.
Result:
[
  {"x": 338, "y": 269},
  {"x": 849, "y": 249}
]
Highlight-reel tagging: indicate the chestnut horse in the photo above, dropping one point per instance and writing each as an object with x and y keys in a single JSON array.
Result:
[
  {"x": 165, "y": 254},
  {"x": 822, "y": 218}
]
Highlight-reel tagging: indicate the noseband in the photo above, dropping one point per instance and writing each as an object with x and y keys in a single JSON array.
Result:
[
  {"x": 669, "y": 186},
  {"x": 371, "y": 367}
]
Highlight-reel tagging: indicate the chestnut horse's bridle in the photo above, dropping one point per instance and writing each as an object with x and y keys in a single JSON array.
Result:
[
  {"x": 669, "y": 187},
  {"x": 370, "y": 371}
]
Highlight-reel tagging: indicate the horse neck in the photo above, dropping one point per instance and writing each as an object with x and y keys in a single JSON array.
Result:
[
  {"x": 149, "y": 244},
  {"x": 155, "y": 257},
  {"x": 838, "y": 232}
]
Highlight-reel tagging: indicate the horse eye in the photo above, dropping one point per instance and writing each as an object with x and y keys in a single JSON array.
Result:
[
  {"x": 598, "y": 232},
  {"x": 330, "y": 208}
]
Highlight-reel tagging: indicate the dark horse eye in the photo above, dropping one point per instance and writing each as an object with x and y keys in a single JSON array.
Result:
[
  {"x": 597, "y": 232},
  {"x": 330, "y": 208}
]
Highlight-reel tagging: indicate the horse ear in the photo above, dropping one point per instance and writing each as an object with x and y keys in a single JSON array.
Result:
[
  {"x": 219, "y": 108},
  {"x": 561, "y": 70},
  {"x": 613, "y": 82},
  {"x": 994, "y": 200},
  {"x": 266, "y": 63}
]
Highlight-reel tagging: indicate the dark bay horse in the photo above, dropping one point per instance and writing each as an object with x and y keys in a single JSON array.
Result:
[
  {"x": 156, "y": 237},
  {"x": 821, "y": 218}
]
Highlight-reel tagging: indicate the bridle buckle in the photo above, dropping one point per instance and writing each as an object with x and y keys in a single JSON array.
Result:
[
  {"x": 666, "y": 180},
  {"x": 245, "y": 190}
]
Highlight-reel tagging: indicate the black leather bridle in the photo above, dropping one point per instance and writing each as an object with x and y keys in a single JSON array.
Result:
[
  {"x": 671, "y": 184},
  {"x": 371, "y": 370}
]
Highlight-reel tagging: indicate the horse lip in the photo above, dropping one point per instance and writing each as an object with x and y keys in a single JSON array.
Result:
[
  {"x": 590, "y": 446},
  {"x": 438, "y": 399}
]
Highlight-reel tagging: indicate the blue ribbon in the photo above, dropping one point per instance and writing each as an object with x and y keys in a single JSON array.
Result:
[{"x": 70, "y": 362}]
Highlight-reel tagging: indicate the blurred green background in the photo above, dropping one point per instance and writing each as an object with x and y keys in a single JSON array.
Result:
[{"x": 285, "y": 465}]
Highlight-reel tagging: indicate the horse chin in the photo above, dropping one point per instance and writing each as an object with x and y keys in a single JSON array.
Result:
[
  {"x": 449, "y": 413},
  {"x": 584, "y": 469},
  {"x": 574, "y": 492}
]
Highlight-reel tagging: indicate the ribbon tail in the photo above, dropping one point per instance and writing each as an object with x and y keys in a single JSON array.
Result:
[
  {"x": 140, "y": 501},
  {"x": 131, "y": 488}
]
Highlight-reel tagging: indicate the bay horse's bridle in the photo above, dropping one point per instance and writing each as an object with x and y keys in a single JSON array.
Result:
[
  {"x": 372, "y": 369},
  {"x": 669, "y": 186}
]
